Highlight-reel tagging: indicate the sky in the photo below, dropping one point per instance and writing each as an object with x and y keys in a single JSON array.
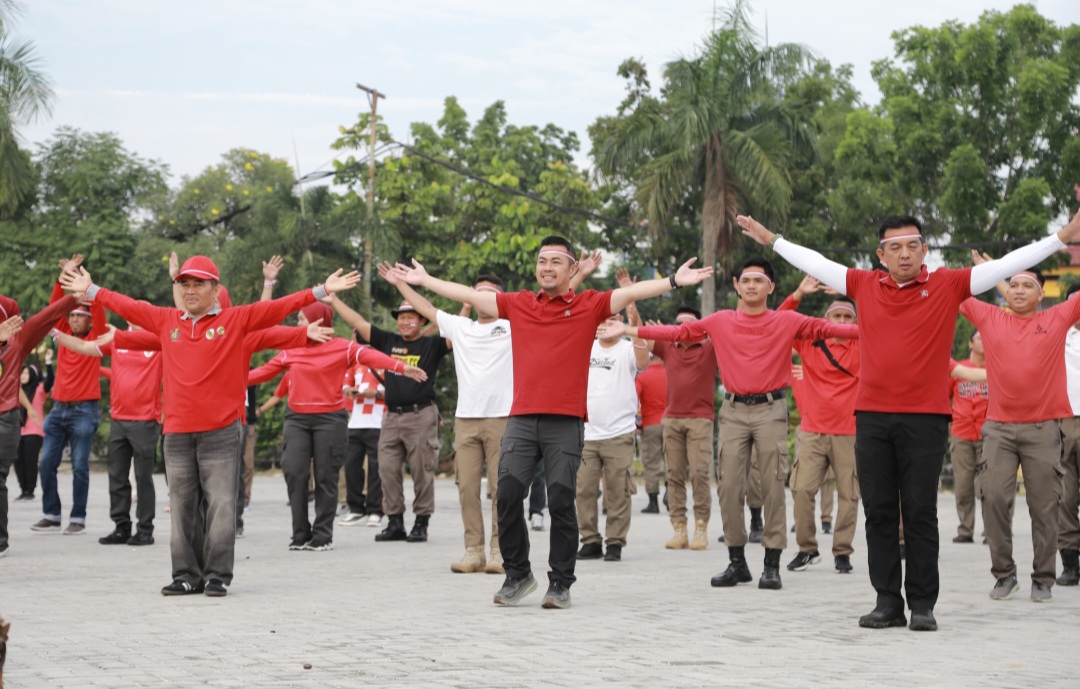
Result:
[{"x": 184, "y": 82}]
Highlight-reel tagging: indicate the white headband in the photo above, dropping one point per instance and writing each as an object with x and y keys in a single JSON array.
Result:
[
  {"x": 750, "y": 271},
  {"x": 685, "y": 318},
  {"x": 1026, "y": 276},
  {"x": 840, "y": 306},
  {"x": 548, "y": 251},
  {"x": 488, "y": 288},
  {"x": 901, "y": 236}
]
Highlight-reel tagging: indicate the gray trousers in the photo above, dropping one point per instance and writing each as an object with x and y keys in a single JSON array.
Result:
[
  {"x": 202, "y": 466},
  {"x": 10, "y": 428},
  {"x": 132, "y": 440},
  {"x": 317, "y": 440}
]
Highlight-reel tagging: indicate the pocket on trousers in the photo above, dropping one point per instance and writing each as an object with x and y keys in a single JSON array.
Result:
[
  {"x": 781, "y": 459},
  {"x": 631, "y": 484},
  {"x": 794, "y": 476},
  {"x": 719, "y": 460},
  {"x": 432, "y": 460}
]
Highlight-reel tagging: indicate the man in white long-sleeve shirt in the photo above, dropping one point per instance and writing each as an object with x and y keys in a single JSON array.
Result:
[{"x": 907, "y": 318}]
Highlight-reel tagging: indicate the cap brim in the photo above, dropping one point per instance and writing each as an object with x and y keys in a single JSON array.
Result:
[{"x": 199, "y": 274}]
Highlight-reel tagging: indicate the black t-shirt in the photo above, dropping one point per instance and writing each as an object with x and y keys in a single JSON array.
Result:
[{"x": 425, "y": 353}]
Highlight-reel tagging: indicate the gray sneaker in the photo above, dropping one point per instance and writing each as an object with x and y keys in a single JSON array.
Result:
[
  {"x": 1040, "y": 593},
  {"x": 74, "y": 529},
  {"x": 513, "y": 590},
  {"x": 557, "y": 597},
  {"x": 46, "y": 525},
  {"x": 1005, "y": 587}
]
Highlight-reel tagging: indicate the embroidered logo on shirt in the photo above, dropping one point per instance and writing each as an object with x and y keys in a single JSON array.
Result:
[
  {"x": 1039, "y": 330},
  {"x": 566, "y": 313},
  {"x": 174, "y": 335},
  {"x": 210, "y": 334},
  {"x": 148, "y": 354},
  {"x": 925, "y": 293},
  {"x": 221, "y": 330}
]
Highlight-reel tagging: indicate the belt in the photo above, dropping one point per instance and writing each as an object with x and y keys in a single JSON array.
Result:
[
  {"x": 409, "y": 408},
  {"x": 757, "y": 399}
]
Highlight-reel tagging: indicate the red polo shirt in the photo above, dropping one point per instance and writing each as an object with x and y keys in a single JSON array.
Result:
[
  {"x": 77, "y": 375},
  {"x": 906, "y": 336},
  {"x": 969, "y": 402},
  {"x": 1025, "y": 360},
  {"x": 691, "y": 379},
  {"x": 317, "y": 372},
  {"x": 753, "y": 351},
  {"x": 552, "y": 344},
  {"x": 651, "y": 387},
  {"x": 135, "y": 393},
  {"x": 205, "y": 360}
]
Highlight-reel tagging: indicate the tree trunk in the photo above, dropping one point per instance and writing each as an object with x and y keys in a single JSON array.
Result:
[{"x": 712, "y": 219}]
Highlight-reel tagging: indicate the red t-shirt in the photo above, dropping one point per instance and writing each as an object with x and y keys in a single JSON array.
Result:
[
  {"x": 77, "y": 375},
  {"x": 135, "y": 394},
  {"x": 317, "y": 372},
  {"x": 969, "y": 402},
  {"x": 906, "y": 336},
  {"x": 691, "y": 379},
  {"x": 206, "y": 360},
  {"x": 282, "y": 389},
  {"x": 753, "y": 351},
  {"x": 13, "y": 353},
  {"x": 651, "y": 387},
  {"x": 1025, "y": 360},
  {"x": 552, "y": 344}
]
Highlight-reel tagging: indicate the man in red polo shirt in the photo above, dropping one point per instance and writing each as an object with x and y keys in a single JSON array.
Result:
[
  {"x": 969, "y": 402},
  {"x": 205, "y": 369},
  {"x": 906, "y": 325},
  {"x": 553, "y": 335},
  {"x": 651, "y": 385},
  {"x": 826, "y": 436}
]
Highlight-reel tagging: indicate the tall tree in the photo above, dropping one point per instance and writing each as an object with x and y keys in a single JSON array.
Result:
[{"x": 720, "y": 130}]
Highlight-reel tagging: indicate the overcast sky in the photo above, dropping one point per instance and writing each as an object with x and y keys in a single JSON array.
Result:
[{"x": 183, "y": 82}]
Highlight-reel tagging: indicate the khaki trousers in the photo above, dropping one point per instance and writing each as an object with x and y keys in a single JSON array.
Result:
[
  {"x": 476, "y": 443},
  {"x": 964, "y": 455},
  {"x": 613, "y": 460},
  {"x": 743, "y": 428},
  {"x": 652, "y": 456},
  {"x": 828, "y": 501},
  {"x": 688, "y": 447},
  {"x": 816, "y": 454},
  {"x": 1068, "y": 513},
  {"x": 412, "y": 437},
  {"x": 251, "y": 436},
  {"x": 1036, "y": 449}
]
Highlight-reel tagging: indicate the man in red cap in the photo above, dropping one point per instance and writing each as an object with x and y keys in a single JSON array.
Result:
[{"x": 205, "y": 367}]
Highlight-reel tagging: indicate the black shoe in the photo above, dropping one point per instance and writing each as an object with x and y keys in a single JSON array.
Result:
[
  {"x": 395, "y": 529},
  {"x": 770, "y": 575},
  {"x": 720, "y": 538},
  {"x": 843, "y": 564},
  {"x": 141, "y": 538},
  {"x": 513, "y": 590},
  {"x": 754, "y": 536},
  {"x": 299, "y": 543},
  {"x": 963, "y": 539},
  {"x": 792, "y": 528},
  {"x": 923, "y": 621},
  {"x": 318, "y": 546},
  {"x": 591, "y": 551},
  {"x": 613, "y": 554},
  {"x": 1070, "y": 568},
  {"x": 215, "y": 588},
  {"x": 666, "y": 499},
  {"x": 419, "y": 530},
  {"x": 803, "y": 560},
  {"x": 826, "y": 527},
  {"x": 119, "y": 536},
  {"x": 736, "y": 573},
  {"x": 654, "y": 506},
  {"x": 179, "y": 587},
  {"x": 882, "y": 618},
  {"x": 757, "y": 526},
  {"x": 557, "y": 597}
]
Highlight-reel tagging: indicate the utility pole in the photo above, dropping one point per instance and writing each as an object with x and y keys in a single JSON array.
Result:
[{"x": 373, "y": 97}]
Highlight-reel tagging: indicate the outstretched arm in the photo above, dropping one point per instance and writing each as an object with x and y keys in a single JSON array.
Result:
[
  {"x": 424, "y": 307},
  {"x": 974, "y": 375},
  {"x": 809, "y": 261},
  {"x": 79, "y": 345},
  {"x": 684, "y": 276},
  {"x": 351, "y": 317},
  {"x": 985, "y": 275},
  {"x": 416, "y": 275},
  {"x": 9, "y": 327},
  {"x": 177, "y": 290},
  {"x": 633, "y": 319}
]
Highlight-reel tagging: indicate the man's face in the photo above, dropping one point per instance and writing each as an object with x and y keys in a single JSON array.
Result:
[
  {"x": 1024, "y": 294},
  {"x": 976, "y": 345},
  {"x": 409, "y": 324},
  {"x": 842, "y": 316},
  {"x": 198, "y": 295},
  {"x": 80, "y": 324},
  {"x": 553, "y": 272},
  {"x": 754, "y": 288},
  {"x": 903, "y": 258}
]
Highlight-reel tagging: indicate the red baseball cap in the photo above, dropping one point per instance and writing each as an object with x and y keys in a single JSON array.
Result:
[
  {"x": 224, "y": 299},
  {"x": 199, "y": 267}
]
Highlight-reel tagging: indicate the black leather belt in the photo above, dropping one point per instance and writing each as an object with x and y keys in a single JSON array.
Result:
[
  {"x": 757, "y": 399},
  {"x": 409, "y": 408}
]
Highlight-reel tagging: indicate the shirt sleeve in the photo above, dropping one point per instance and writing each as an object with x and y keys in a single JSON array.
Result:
[
  {"x": 688, "y": 332},
  {"x": 811, "y": 262},
  {"x": 602, "y": 306},
  {"x": 139, "y": 340},
  {"x": 268, "y": 371},
  {"x": 975, "y": 311},
  {"x": 373, "y": 358},
  {"x": 789, "y": 304},
  {"x": 140, "y": 313},
  {"x": 263, "y": 314},
  {"x": 985, "y": 275},
  {"x": 448, "y": 324},
  {"x": 276, "y": 337}
]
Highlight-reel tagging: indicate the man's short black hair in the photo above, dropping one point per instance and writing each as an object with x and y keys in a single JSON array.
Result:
[
  {"x": 556, "y": 240},
  {"x": 757, "y": 262},
  {"x": 1036, "y": 272},
  {"x": 493, "y": 279},
  {"x": 1073, "y": 289},
  {"x": 686, "y": 308},
  {"x": 844, "y": 299},
  {"x": 895, "y": 222}
]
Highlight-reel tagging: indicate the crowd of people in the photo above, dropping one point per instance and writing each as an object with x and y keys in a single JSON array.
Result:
[{"x": 556, "y": 391}]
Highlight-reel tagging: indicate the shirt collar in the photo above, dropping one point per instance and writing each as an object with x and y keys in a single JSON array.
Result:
[
  {"x": 212, "y": 312},
  {"x": 887, "y": 279},
  {"x": 567, "y": 296}
]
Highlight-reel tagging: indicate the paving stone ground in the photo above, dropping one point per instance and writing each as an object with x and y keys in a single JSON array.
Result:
[{"x": 393, "y": 615}]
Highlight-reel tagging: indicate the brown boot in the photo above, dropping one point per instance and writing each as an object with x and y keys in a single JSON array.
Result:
[
  {"x": 472, "y": 562},
  {"x": 495, "y": 564},
  {"x": 701, "y": 535},
  {"x": 679, "y": 540}
]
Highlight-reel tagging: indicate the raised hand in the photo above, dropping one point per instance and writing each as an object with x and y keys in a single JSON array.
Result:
[
  {"x": 9, "y": 327},
  {"x": 611, "y": 329},
  {"x": 622, "y": 277},
  {"x": 414, "y": 275},
  {"x": 809, "y": 285},
  {"x": 174, "y": 265},
  {"x": 652, "y": 323},
  {"x": 417, "y": 374},
  {"x": 317, "y": 333},
  {"x": 588, "y": 263},
  {"x": 754, "y": 230},
  {"x": 686, "y": 275},
  {"x": 71, "y": 263},
  {"x": 77, "y": 280},
  {"x": 977, "y": 258},
  {"x": 107, "y": 337},
  {"x": 1071, "y": 232},
  {"x": 271, "y": 267},
  {"x": 389, "y": 272},
  {"x": 339, "y": 281}
]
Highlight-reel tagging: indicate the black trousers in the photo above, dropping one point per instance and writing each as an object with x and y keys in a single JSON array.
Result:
[
  {"x": 898, "y": 458},
  {"x": 363, "y": 443},
  {"x": 138, "y": 441},
  {"x": 318, "y": 439},
  {"x": 26, "y": 465},
  {"x": 557, "y": 441}
]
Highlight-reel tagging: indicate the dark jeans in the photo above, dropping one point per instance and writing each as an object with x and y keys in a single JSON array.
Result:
[
  {"x": 363, "y": 442},
  {"x": 557, "y": 441},
  {"x": 74, "y": 424},
  {"x": 10, "y": 427},
  {"x": 26, "y": 466},
  {"x": 202, "y": 466},
  {"x": 240, "y": 497},
  {"x": 130, "y": 440},
  {"x": 898, "y": 458},
  {"x": 318, "y": 439},
  {"x": 538, "y": 492}
]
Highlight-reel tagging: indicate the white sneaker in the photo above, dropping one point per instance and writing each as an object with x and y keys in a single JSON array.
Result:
[
  {"x": 537, "y": 522},
  {"x": 374, "y": 520},
  {"x": 351, "y": 519}
]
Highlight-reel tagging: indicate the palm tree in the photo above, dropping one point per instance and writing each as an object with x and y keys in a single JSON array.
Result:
[
  {"x": 720, "y": 132},
  {"x": 25, "y": 95}
]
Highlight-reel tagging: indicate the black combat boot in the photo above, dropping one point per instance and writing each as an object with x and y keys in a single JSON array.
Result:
[
  {"x": 770, "y": 578},
  {"x": 737, "y": 572},
  {"x": 395, "y": 529}
]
